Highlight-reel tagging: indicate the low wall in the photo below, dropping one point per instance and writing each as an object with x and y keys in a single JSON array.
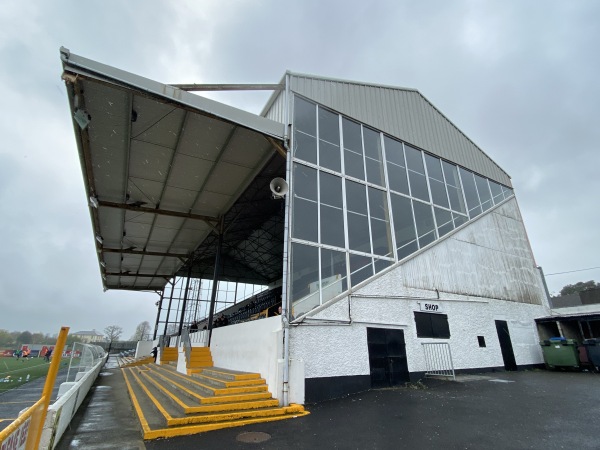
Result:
[
  {"x": 62, "y": 411},
  {"x": 253, "y": 346}
]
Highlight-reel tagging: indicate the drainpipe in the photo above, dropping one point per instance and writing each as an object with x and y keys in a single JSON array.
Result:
[{"x": 286, "y": 245}]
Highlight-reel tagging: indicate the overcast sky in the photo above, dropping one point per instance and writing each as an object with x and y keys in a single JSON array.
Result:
[{"x": 520, "y": 78}]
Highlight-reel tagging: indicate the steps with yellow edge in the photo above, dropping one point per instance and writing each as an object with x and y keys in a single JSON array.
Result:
[
  {"x": 200, "y": 357},
  {"x": 170, "y": 404}
]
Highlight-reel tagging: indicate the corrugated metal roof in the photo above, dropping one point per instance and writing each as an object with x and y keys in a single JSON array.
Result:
[
  {"x": 401, "y": 112},
  {"x": 162, "y": 167}
]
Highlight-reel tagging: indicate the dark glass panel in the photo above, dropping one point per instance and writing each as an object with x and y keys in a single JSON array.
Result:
[
  {"x": 356, "y": 197},
  {"x": 358, "y": 232},
  {"x": 382, "y": 240},
  {"x": 381, "y": 264},
  {"x": 394, "y": 153},
  {"x": 418, "y": 186},
  {"x": 305, "y": 182},
  {"x": 305, "y": 147},
  {"x": 329, "y": 128},
  {"x": 438, "y": 193},
  {"x": 497, "y": 195},
  {"x": 331, "y": 189},
  {"x": 423, "y": 219},
  {"x": 407, "y": 250},
  {"x": 352, "y": 136},
  {"x": 334, "y": 278},
  {"x": 451, "y": 174},
  {"x": 354, "y": 165},
  {"x": 305, "y": 116},
  {"x": 508, "y": 192},
  {"x": 373, "y": 157},
  {"x": 484, "y": 192},
  {"x": 332, "y": 226},
  {"x": 456, "y": 199},
  {"x": 329, "y": 156},
  {"x": 468, "y": 182},
  {"x": 304, "y": 225},
  {"x": 304, "y": 278},
  {"x": 404, "y": 226},
  {"x": 458, "y": 220},
  {"x": 426, "y": 239},
  {"x": 434, "y": 169},
  {"x": 305, "y": 269},
  {"x": 414, "y": 159},
  {"x": 360, "y": 268},
  {"x": 375, "y": 173},
  {"x": 397, "y": 178},
  {"x": 444, "y": 222},
  {"x": 378, "y": 206}
]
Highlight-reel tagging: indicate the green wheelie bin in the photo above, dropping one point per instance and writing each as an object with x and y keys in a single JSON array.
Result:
[{"x": 560, "y": 353}]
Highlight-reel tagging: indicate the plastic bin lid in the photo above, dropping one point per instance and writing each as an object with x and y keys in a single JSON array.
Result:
[
  {"x": 558, "y": 338},
  {"x": 593, "y": 341}
]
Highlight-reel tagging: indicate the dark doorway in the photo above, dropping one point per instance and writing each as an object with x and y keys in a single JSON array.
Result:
[
  {"x": 387, "y": 357},
  {"x": 505, "y": 345}
]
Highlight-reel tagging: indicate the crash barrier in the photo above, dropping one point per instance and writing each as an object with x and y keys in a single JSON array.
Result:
[
  {"x": 71, "y": 394},
  {"x": 438, "y": 359},
  {"x": 25, "y": 432}
]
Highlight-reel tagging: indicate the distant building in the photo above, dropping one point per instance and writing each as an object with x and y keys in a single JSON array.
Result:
[{"x": 89, "y": 337}]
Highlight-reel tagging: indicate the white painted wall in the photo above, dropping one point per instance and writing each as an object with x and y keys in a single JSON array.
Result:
[
  {"x": 480, "y": 273},
  {"x": 253, "y": 346}
]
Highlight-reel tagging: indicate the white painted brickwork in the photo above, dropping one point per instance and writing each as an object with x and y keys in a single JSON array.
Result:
[{"x": 483, "y": 272}]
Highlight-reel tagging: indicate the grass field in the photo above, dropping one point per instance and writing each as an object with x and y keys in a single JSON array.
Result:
[{"x": 15, "y": 372}]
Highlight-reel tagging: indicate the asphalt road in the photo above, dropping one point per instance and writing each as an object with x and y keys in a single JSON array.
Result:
[{"x": 508, "y": 410}]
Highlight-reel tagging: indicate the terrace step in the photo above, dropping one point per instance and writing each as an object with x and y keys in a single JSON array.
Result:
[{"x": 169, "y": 403}]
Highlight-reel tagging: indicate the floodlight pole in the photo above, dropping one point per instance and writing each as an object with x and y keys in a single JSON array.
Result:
[{"x": 216, "y": 274}]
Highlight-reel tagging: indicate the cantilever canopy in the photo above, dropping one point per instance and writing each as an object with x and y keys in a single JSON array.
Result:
[{"x": 166, "y": 171}]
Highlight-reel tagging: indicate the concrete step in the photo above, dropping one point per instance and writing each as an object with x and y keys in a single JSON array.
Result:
[{"x": 171, "y": 404}]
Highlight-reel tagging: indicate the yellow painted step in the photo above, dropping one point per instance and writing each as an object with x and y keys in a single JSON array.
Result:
[
  {"x": 217, "y": 392},
  {"x": 195, "y": 429},
  {"x": 224, "y": 374},
  {"x": 234, "y": 415}
]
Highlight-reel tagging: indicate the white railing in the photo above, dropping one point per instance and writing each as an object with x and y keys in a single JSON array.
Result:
[
  {"x": 84, "y": 357},
  {"x": 438, "y": 359},
  {"x": 70, "y": 395}
]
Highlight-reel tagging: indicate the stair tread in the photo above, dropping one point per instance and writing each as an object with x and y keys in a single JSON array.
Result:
[{"x": 169, "y": 403}]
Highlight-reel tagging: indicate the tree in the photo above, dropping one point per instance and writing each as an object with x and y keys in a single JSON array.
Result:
[
  {"x": 141, "y": 331},
  {"x": 6, "y": 340},
  {"x": 37, "y": 338},
  {"x": 113, "y": 333},
  {"x": 578, "y": 287},
  {"x": 24, "y": 338}
]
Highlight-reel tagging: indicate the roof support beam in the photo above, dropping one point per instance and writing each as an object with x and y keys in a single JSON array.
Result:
[
  {"x": 137, "y": 275},
  {"x": 164, "y": 212},
  {"x": 229, "y": 87},
  {"x": 130, "y": 251}
]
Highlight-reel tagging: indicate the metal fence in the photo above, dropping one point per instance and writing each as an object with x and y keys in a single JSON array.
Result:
[
  {"x": 438, "y": 358},
  {"x": 84, "y": 357}
]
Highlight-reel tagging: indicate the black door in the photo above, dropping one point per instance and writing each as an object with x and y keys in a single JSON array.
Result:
[
  {"x": 387, "y": 357},
  {"x": 505, "y": 345}
]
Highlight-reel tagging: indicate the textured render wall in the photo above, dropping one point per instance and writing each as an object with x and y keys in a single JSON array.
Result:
[{"x": 483, "y": 273}]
